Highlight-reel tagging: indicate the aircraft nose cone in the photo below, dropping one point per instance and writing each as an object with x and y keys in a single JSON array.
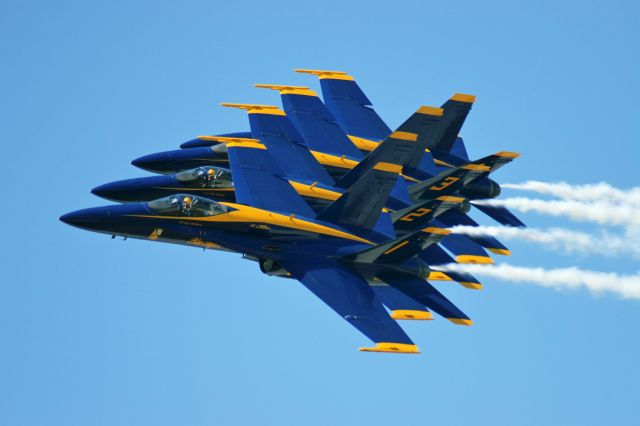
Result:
[
  {"x": 152, "y": 162},
  {"x": 112, "y": 190},
  {"x": 86, "y": 218}
]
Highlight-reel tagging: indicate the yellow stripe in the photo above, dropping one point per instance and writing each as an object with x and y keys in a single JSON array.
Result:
[
  {"x": 438, "y": 231},
  {"x": 502, "y": 252},
  {"x": 314, "y": 192},
  {"x": 438, "y": 276},
  {"x": 405, "y": 136},
  {"x": 405, "y": 314},
  {"x": 288, "y": 90},
  {"x": 225, "y": 139},
  {"x": 461, "y": 97},
  {"x": 400, "y": 348},
  {"x": 467, "y": 258},
  {"x": 442, "y": 163},
  {"x": 334, "y": 160},
  {"x": 477, "y": 167},
  {"x": 246, "y": 145},
  {"x": 474, "y": 286},
  {"x": 392, "y": 249},
  {"x": 388, "y": 167},
  {"x": 256, "y": 109},
  {"x": 508, "y": 154},
  {"x": 322, "y": 74},
  {"x": 461, "y": 321},
  {"x": 363, "y": 144},
  {"x": 428, "y": 110},
  {"x": 249, "y": 214},
  {"x": 450, "y": 199}
]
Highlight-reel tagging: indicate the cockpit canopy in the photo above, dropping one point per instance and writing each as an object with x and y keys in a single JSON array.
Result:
[
  {"x": 187, "y": 205},
  {"x": 206, "y": 177}
]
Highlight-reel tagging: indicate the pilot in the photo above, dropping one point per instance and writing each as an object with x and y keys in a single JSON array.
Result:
[
  {"x": 186, "y": 206},
  {"x": 211, "y": 176}
]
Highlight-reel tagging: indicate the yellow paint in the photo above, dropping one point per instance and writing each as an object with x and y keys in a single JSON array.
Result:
[
  {"x": 392, "y": 249},
  {"x": 388, "y": 167},
  {"x": 246, "y": 214},
  {"x": 473, "y": 286},
  {"x": 502, "y": 252},
  {"x": 429, "y": 110},
  {"x": 363, "y": 144},
  {"x": 288, "y": 90},
  {"x": 256, "y": 109},
  {"x": 224, "y": 139},
  {"x": 508, "y": 154},
  {"x": 441, "y": 163},
  {"x": 438, "y": 276},
  {"x": 461, "y": 321},
  {"x": 204, "y": 244},
  {"x": 476, "y": 167},
  {"x": 246, "y": 145},
  {"x": 400, "y": 348},
  {"x": 450, "y": 199},
  {"x": 156, "y": 234},
  {"x": 438, "y": 231},
  {"x": 461, "y": 97},
  {"x": 322, "y": 74},
  {"x": 446, "y": 182},
  {"x": 333, "y": 160},
  {"x": 314, "y": 192},
  {"x": 405, "y": 314},
  {"x": 468, "y": 258},
  {"x": 405, "y": 136},
  {"x": 416, "y": 214}
]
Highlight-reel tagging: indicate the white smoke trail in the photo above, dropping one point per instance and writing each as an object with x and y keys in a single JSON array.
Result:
[
  {"x": 600, "y": 212},
  {"x": 565, "y": 240},
  {"x": 625, "y": 286},
  {"x": 601, "y": 191}
]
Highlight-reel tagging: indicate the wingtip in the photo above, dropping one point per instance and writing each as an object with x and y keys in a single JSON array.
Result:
[{"x": 398, "y": 348}]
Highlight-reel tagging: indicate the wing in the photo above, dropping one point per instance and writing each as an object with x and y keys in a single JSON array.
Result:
[
  {"x": 315, "y": 122},
  {"x": 402, "y": 306},
  {"x": 285, "y": 144},
  {"x": 426, "y": 294},
  {"x": 349, "y": 295},
  {"x": 350, "y": 105},
  {"x": 257, "y": 181}
]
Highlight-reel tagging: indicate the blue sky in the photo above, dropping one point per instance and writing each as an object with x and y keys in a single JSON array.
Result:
[{"x": 102, "y": 332}]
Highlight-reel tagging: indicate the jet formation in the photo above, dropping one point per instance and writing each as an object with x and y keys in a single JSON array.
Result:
[{"x": 324, "y": 192}]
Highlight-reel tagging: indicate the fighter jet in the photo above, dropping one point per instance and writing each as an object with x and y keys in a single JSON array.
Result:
[
  {"x": 335, "y": 253},
  {"x": 311, "y": 180},
  {"x": 338, "y": 153}
]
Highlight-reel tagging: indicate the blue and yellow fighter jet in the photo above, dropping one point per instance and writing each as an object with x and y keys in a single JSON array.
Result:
[
  {"x": 335, "y": 253},
  {"x": 307, "y": 176},
  {"x": 338, "y": 152}
]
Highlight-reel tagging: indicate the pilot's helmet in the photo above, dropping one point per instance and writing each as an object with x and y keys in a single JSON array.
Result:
[
  {"x": 186, "y": 200},
  {"x": 211, "y": 172}
]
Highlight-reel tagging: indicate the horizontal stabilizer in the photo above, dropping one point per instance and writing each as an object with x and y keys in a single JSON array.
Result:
[
  {"x": 420, "y": 214},
  {"x": 456, "y": 178},
  {"x": 400, "y": 249},
  {"x": 428, "y": 295},
  {"x": 501, "y": 215},
  {"x": 402, "y": 307}
]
